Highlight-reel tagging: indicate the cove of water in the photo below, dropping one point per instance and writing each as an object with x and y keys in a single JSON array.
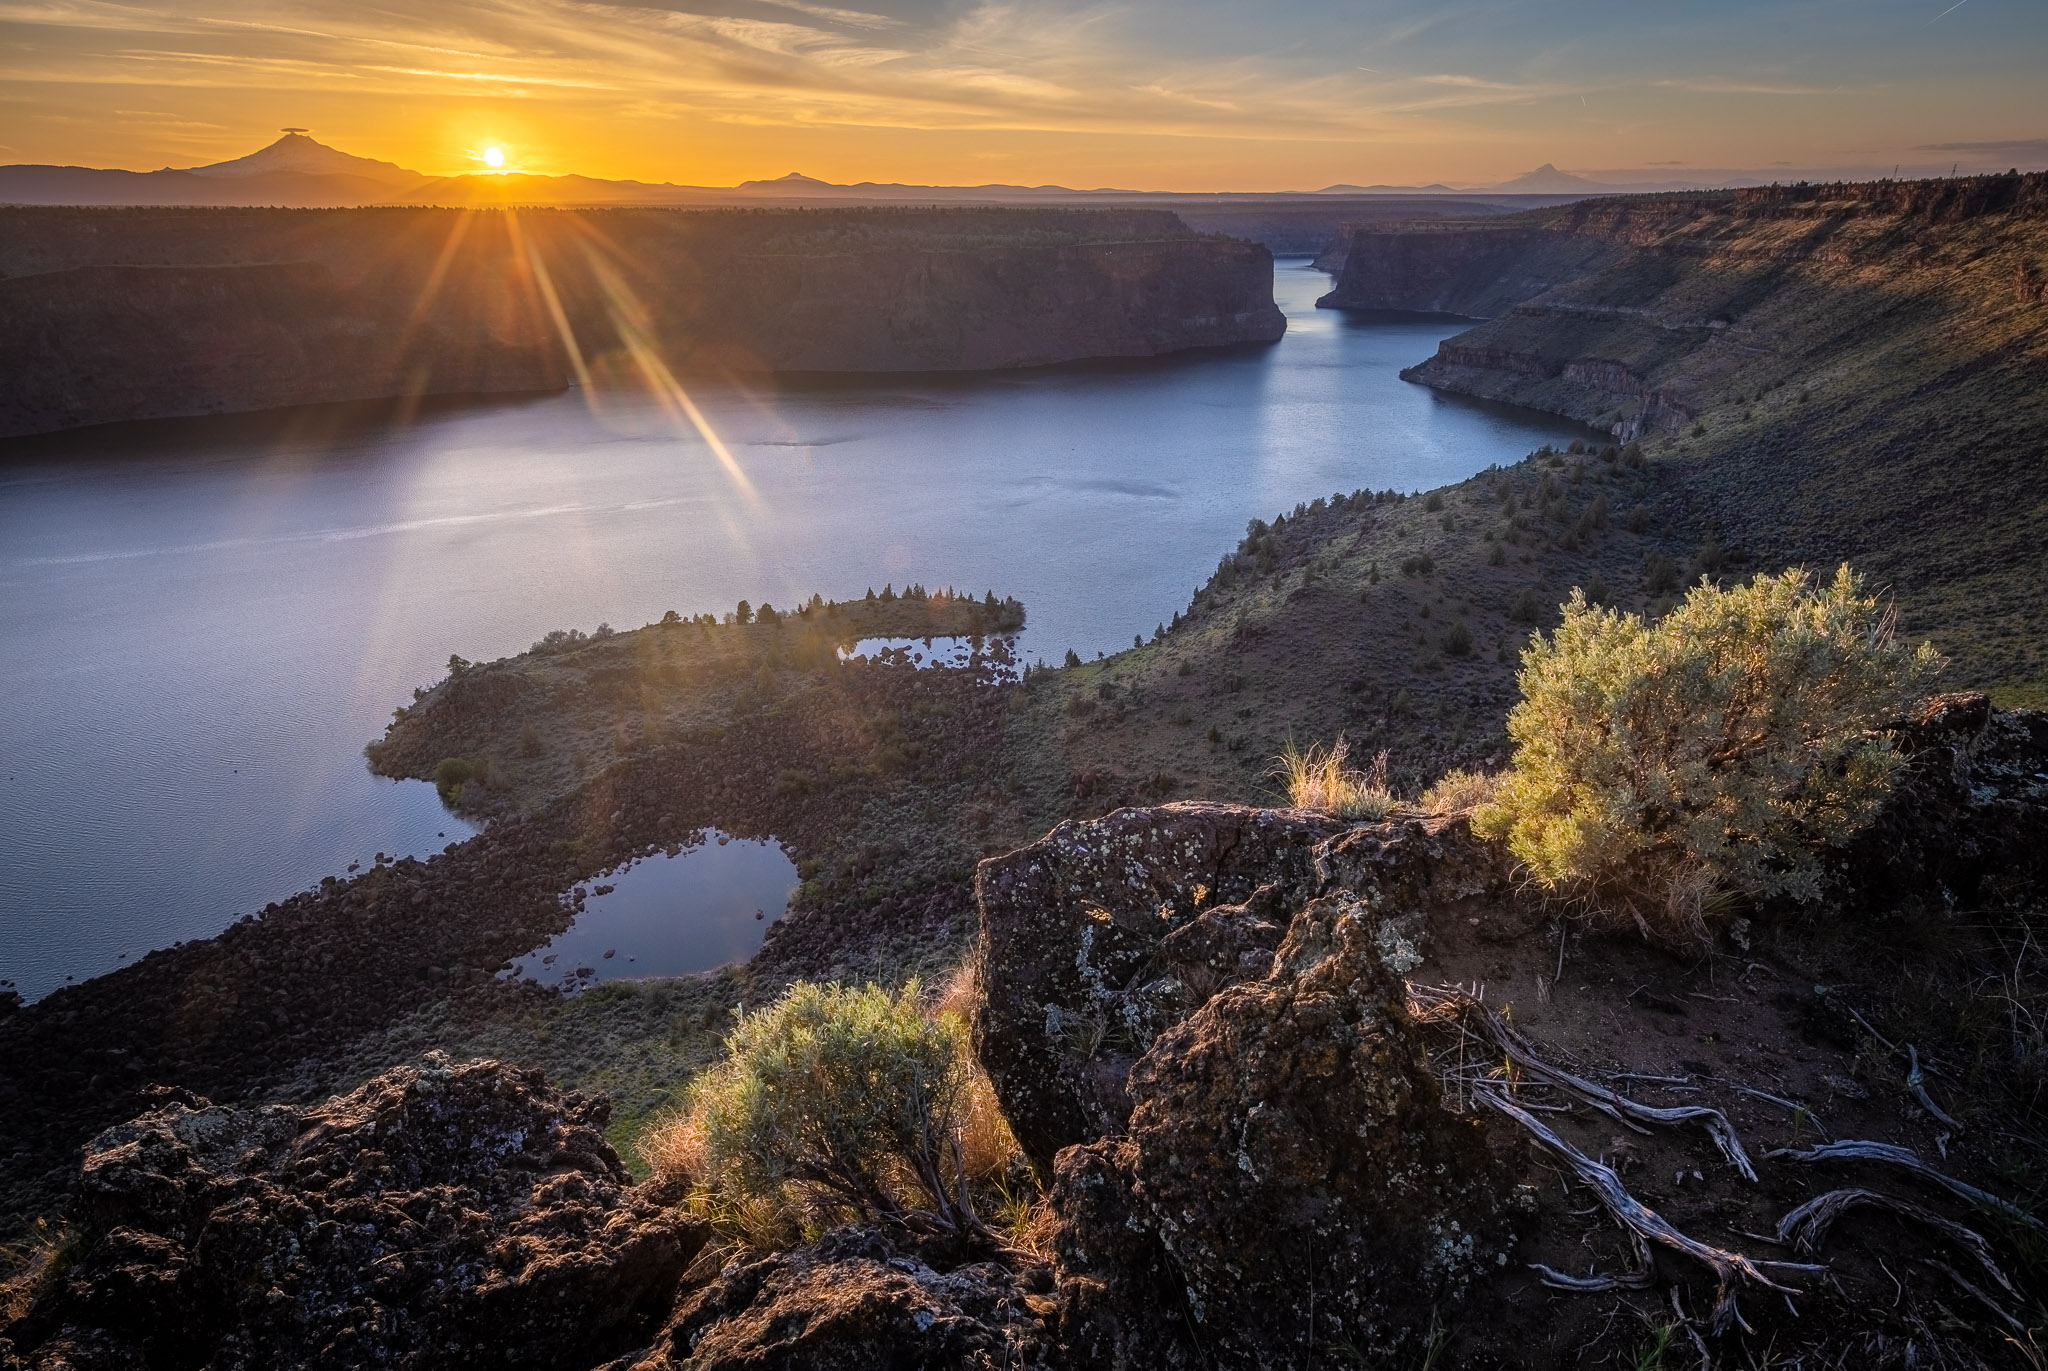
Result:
[
  {"x": 708, "y": 905},
  {"x": 203, "y": 621}
]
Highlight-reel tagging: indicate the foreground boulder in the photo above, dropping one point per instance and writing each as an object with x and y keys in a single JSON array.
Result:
[
  {"x": 445, "y": 1216},
  {"x": 1266, "y": 1170},
  {"x": 854, "y": 1302},
  {"x": 1071, "y": 928}
]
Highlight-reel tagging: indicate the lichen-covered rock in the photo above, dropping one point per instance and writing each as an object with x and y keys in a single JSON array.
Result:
[
  {"x": 1294, "y": 1159},
  {"x": 1122, "y": 1303},
  {"x": 1967, "y": 822},
  {"x": 444, "y": 1216},
  {"x": 1208, "y": 1004},
  {"x": 853, "y": 1302},
  {"x": 1072, "y": 983}
]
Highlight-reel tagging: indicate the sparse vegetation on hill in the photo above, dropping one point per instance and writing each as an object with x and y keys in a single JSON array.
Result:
[{"x": 1360, "y": 615}]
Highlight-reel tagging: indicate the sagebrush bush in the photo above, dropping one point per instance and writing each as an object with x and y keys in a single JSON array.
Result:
[
  {"x": 1722, "y": 747},
  {"x": 1318, "y": 779},
  {"x": 837, "y": 1102}
]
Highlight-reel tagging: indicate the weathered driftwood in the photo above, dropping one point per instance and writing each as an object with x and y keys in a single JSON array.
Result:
[
  {"x": 1860, "y": 1150},
  {"x": 1730, "y": 1268},
  {"x": 1806, "y": 1228},
  {"x": 1611, "y": 1102}
]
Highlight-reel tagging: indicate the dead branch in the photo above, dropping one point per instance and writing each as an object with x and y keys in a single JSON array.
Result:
[
  {"x": 1916, "y": 1081},
  {"x": 1608, "y": 1101},
  {"x": 1973, "y": 1292},
  {"x": 1851, "y": 1149},
  {"x": 1806, "y": 1228},
  {"x": 1730, "y": 1268},
  {"x": 1644, "y": 1276}
]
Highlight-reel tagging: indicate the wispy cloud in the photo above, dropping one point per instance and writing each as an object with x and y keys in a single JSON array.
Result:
[
  {"x": 1726, "y": 85},
  {"x": 1504, "y": 83}
]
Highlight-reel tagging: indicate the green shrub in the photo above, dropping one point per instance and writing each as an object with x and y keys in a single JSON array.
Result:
[
  {"x": 1457, "y": 641},
  {"x": 837, "y": 1102},
  {"x": 450, "y": 774},
  {"x": 1719, "y": 748}
]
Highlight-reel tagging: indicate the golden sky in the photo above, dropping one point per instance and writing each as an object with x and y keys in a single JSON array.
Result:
[{"x": 1150, "y": 94}]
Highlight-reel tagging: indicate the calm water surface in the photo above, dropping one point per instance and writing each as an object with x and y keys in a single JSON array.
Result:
[
  {"x": 709, "y": 904},
  {"x": 201, "y": 623}
]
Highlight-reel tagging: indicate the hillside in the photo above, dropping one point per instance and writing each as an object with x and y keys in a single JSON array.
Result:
[{"x": 1830, "y": 372}]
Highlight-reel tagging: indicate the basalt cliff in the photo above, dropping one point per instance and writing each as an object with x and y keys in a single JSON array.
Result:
[
  {"x": 112, "y": 315},
  {"x": 1841, "y": 371}
]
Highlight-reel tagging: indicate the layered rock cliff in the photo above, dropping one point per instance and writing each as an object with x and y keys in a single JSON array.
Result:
[
  {"x": 1850, "y": 371},
  {"x": 132, "y": 314}
]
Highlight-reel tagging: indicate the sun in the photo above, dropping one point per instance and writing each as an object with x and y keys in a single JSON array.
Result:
[{"x": 494, "y": 157}]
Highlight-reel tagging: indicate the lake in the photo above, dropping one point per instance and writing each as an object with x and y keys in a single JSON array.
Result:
[{"x": 203, "y": 621}]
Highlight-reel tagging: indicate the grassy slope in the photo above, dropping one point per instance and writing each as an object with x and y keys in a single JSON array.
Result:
[{"x": 1316, "y": 630}]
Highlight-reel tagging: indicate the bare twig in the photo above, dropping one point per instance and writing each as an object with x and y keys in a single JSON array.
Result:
[
  {"x": 1993, "y": 1305},
  {"x": 1917, "y": 1083},
  {"x": 1806, "y": 1228},
  {"x": 1850, "y": 1149},
  {"x": 1608, "y": 1101},
  {"x": 1730, "y": 1268}
]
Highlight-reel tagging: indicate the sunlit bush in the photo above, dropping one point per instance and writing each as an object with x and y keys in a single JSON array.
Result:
[
  {"x": 837, "y": 1103},
  {"x": 1722, "y": 747}
]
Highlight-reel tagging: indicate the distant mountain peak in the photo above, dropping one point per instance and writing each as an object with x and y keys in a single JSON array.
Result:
[
  {"x": 791, "y": 180},
  {"x": 1548, "y": 179},
  {"x": 296, "y": 152}
]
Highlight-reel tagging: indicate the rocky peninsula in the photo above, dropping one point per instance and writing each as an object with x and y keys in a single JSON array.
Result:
[{"x": 121, "y": 314}]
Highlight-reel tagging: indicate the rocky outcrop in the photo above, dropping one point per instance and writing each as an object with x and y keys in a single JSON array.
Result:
[
  {"x": 852, "y": 1302},
  {"x": 1967, "y": 823},
  {"x": 1202, "y": 1006},
  {"x": 1074, "y": 986},
  {"x": 133, "y": 314},
  {"x": 442, "y": 1216}
]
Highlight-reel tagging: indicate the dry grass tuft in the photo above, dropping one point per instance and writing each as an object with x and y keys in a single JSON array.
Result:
[
  {"x": 34, "y": 1266},
  {"x": 1318, "y": 779},
  {"x": 1458, "y": 792}
]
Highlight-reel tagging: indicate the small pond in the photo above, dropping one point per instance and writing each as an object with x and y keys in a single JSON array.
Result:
[
  {"x": 707, "y": 905},
  {"x": 997, "y": 653}
]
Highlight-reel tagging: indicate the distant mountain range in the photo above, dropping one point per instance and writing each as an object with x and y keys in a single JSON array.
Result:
[{"x": 297, "y": 170}]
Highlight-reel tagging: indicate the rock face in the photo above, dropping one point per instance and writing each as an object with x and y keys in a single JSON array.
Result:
[
  {"x": 133, "y": 314},
  {"x": 852, "y": 1302},
  {"x": 1071, "y": 932},
  {"x": 441, "y": 1216},
  {"x": 1283, "y": 1178},
  {"x": 1474, "y": 269}
]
